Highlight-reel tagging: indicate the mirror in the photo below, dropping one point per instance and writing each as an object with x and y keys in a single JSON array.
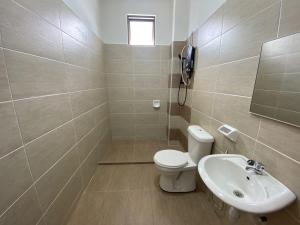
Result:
[{"x": 276, "y": 92}]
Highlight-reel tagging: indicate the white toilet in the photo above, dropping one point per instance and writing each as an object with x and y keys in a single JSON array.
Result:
[{"x": 178, "y": 168}]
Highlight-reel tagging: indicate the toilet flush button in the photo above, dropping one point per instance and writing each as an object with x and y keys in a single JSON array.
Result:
[{"x": 156, "y": 104}]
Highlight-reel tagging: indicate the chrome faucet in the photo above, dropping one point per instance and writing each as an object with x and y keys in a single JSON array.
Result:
[{"x": 255, "y": 166}]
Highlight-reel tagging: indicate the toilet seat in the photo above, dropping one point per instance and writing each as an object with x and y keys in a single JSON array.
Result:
[{"x": 170, "y": 159}]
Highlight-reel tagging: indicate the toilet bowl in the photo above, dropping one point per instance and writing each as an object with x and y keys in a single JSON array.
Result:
[{"x": 178, "y": 169}]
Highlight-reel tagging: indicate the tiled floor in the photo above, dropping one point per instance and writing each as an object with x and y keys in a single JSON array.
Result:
[
  {"x": 130, "y": 195},
  {"x": 134, "y": 151}
]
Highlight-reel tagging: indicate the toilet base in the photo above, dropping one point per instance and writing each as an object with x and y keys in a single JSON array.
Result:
[{"x": 183, "y": 181}]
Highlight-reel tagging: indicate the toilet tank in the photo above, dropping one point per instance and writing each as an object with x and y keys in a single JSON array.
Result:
[{"x": 199, "y": 143}]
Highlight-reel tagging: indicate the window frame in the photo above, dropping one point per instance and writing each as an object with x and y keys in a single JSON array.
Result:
[{"x": 141, "y": 18}]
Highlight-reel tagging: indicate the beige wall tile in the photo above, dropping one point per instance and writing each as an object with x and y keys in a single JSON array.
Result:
[
  {"x": 45, "y": 151},
  {"x": 118, "y": 51},
  {"x": 211, "y": 28},
  {"x": 290, "y": 18},
  {"x": 74, "y": 52},
  {"x": 236, "y": 11},
  {"x": 23, "y": 31},
  {"x": 246, "y": 39},
  {"x": 203, "y": 101},
  {"x": 147, "y": 118},
  {"x": 122, "y": 131},
  {"x": 72, "y": 25},
  {"x": 148, "y": 82},
  {"x": 146, "y": 52},
  {"x": 25, "y": 211},
  {"x": 205, "y": 79},
  {"x": 84, "y": 123},
  {"x": 86, "y": 100},
  {"x": 147, "y": 67},
  {"x": 4, "y": 87},
  {"x": 120, "y": 93},
  {"x": 79, "y": 78},
  {"x": 124, "y": 119},
  {"x": 283, "y": 138},
  {"x": 234, "y": 110},
  {"x": 115, "y": 80},
  {"x": 33, "y": 27},
  {"x": 209, "y": 54},
  {"x": 237, "y": 78},
  {"x": 89, "y": 166},
  {"x": 165, "y": 52},
  {"x": 49, "y": 10},
  {"x": 118, "y": 66},
  {"x": 87, "y": 144},
  {"x": 60, "y": 208},
  {"x": 39, "y": 115},
  {"x": 147, "y": 94},
  {"x": 53, "y": 181},
  {"x": 10, "y": 137},
  {"x": 15, "y": 177},
  {"x": 31, "y": 76},
  {"x": 121, "y": 106},
  {"x": 146, "y": 106},
  {"x": 151, "y": 132},
  {"x": 200, "y": 119}
]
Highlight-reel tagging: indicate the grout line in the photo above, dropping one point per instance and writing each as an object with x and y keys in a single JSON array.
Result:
[
  {"x": 59, "y": 193},
  {"x": 226, "y": 63},
  {"x": 21, "y": 137},
  {"x": 282, "y": 154},
  {"x": 57, "y": 94},
  {"x": 51, "y": 95},
  {"x": 59, "y": 28},
  {"x": 17, "y": 199},
  {"x": 279, "y": 19},
  {"x": 33, "y": 184},
  {"x": 250, "y": 17},
  {"x": 23, "y": 146},
  {"x": 254, "y": 139},
  {"x": 45, "y": 58},
  {"x": 219, "y": 93}
]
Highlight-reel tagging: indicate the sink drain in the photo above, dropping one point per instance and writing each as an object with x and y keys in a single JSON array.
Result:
[{"x": 238, "y": 194}]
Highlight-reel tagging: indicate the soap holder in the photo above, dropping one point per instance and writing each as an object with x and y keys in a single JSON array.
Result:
[
  {"x": 229, "y": 132},
  {"x": 156, "y": 104}
]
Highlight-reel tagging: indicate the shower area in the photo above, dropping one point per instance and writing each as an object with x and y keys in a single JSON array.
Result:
[{"x": 135, "y": 76}]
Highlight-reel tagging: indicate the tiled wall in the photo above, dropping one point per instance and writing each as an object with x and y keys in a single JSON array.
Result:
[
  {"x": 53, "y": 110},
  {"x": 228, "y": 48},
  {"x": 180, "y": 116},
  {"x": 135, "y": 77}
]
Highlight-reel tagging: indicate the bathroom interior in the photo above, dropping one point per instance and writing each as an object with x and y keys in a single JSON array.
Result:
[{"x": 149, "y": 112}]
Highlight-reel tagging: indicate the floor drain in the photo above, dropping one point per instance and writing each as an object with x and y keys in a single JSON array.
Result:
[{"x": 238, "y": 194}]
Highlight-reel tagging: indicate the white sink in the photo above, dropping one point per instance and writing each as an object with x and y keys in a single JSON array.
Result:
[{"x": 226, "y": 177}]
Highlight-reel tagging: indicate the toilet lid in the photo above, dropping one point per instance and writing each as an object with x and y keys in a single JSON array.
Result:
[{"x": 170, "y": 158}]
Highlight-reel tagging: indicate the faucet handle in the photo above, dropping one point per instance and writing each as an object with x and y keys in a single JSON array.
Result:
[
  {"x": 259, "y": 166},
  {"x": 250, "y": 162}
]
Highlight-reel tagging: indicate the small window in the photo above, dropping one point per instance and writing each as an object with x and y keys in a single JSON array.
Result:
[{"x": 141, "y": 30}]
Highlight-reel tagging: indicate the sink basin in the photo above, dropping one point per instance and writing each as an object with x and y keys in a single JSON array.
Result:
[{"x": 226, "y": 177}]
